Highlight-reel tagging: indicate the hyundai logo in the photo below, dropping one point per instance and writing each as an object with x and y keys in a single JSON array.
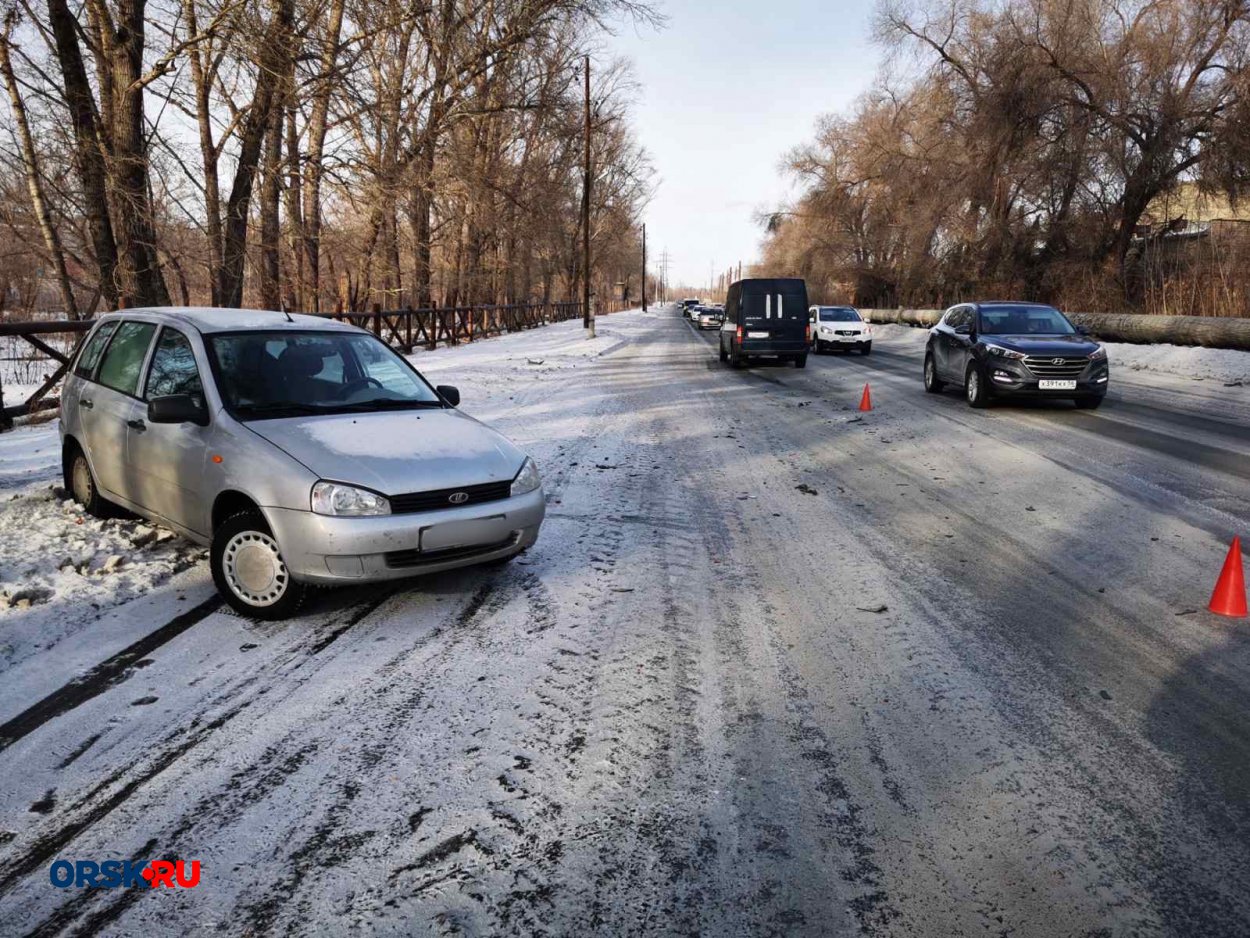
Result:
[
  {"x": 458, "y": 498},
  {"x": 1056, "y": 361}
]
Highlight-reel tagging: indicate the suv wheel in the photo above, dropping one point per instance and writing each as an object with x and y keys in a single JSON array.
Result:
[
  {"x": 80, "y": 483},
  {"x": 249, "y": 570},
  {"x": 724, "y": 356},
  {"x": 866, "y": 348},
  {"x": 800, "y": 361},
  {"x": 932, "y": 383},
  {"x": 974, "y": 387}
]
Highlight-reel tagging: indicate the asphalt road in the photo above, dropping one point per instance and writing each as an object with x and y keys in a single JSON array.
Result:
[{"x": 775, "y": 667}]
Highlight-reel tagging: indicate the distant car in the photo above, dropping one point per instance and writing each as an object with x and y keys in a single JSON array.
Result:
[
  {"x": 708, "y": 318},
  {"x": 301, "y": 451},
  {"x": 1007, "y": 349},
  {"x": 766, "y": 318},
  {"x": 840, "y": 327},
  {"x": 688, "y": 305}
]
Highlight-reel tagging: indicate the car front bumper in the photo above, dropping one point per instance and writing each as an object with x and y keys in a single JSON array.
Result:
[
  {"x": 857, "y": 339},
  {"x": 1013, "y": 379},
  {"x": 321, "y": 549}
]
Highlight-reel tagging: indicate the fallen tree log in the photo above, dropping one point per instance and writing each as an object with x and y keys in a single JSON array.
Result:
[{"x": 1207, "y": 331}]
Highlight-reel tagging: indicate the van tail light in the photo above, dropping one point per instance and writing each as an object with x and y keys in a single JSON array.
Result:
[
  {"x": 807, "y": 333},
  {"x": 739, "y": 333}
]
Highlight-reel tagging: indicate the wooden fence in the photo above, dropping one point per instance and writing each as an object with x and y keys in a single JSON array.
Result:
[{"x": 404, "y": 329}]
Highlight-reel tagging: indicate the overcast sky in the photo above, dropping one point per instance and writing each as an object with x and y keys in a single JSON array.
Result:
[{"x": 727, "y": 88}]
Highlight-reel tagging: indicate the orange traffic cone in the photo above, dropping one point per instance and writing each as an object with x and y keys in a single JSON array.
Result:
[
  {"x": 1229, "y": 598},
  {"x": 865, "y": 402}
]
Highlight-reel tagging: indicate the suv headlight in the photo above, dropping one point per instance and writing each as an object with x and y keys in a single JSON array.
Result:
[
  {"x": 339, "y": 500},
  {"x": 1099, "y": 354},
  {"x": 1003, "y": 352},
  {"x": 527, "y": 479}
]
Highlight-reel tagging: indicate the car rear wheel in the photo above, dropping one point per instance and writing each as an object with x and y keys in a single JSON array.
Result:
[
  {"x": 249, "y": 570},
  {"x": 974, "y": 388},
  {"x": 932, "y": 383},
  {"x": 1089, "y": 402},
  {"x": 800, "y": 361},
  {"x": 80, "y": 483},
  {"x": 724, "y": 356},
  {"x": 736, "y": 358}
]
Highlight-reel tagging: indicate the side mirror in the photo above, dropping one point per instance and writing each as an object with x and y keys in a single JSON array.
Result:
[
  {"x": 178, "y": 408},
  {"x": 449, "y": 394},
  {"x": 963, "y": 329},
  {"x": 1082, "y": 330}
]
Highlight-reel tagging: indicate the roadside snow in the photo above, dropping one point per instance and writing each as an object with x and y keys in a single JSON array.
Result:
[{"x": 1205, "y": 364}]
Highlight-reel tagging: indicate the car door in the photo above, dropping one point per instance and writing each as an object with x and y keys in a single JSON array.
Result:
[
  {"x": 114, "y": 406},
  {"x": 77, "y": 397},
  {"x": 942, "y": 341},
  {"x": 961, "y": 343},
  {"x": 167, "y": 459}
]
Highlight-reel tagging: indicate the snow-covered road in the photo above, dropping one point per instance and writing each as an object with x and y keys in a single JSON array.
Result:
[{"x": 774, "y": 667}]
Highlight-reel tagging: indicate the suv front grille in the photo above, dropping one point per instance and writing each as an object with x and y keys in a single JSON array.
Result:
[
  {"x": 1055, "y": 366},
  {"x": 441, "y": 498}
]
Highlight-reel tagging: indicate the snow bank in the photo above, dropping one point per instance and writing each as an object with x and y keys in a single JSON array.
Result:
[{"x": 1210, "y": 364}]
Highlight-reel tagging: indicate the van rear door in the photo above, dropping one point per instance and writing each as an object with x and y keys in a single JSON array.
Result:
[{"x": 775, "y": 315}]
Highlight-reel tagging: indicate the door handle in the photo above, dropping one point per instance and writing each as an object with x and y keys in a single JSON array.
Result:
[
  {"x": 85, "y": 402},
  {"x": 137, "y": 425}
]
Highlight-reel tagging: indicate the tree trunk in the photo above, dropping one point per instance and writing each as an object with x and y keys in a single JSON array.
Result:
[
  {"x": 34, "y": 180},
  {"x": 142, "y": 282},
  {"x": 259, "y": 118},
  {"x": 88, "y": 152},
  {"x": 270, "y": 219},
  {"x": 316, "y": 151},
  {"x": 202, "y": 81}
]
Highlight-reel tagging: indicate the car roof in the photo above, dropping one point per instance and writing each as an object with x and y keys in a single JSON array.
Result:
[
  {"x": 1030, "y": 303},
  {"x": 210, "y": 319}
]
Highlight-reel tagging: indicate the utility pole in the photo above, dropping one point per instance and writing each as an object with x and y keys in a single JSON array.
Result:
[
  {"x": 644, "y": 267},
  {"x": 586, "y": 212}
]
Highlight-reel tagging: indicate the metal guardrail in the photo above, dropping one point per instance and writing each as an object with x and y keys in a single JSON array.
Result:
[{"x": 404, "y": 329}]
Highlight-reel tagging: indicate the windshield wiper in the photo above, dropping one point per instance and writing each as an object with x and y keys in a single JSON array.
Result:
[
  {"x": 273, "y": 407},
  {"x": 387, "y": 403}
]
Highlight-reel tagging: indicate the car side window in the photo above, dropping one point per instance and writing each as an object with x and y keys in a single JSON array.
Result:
[
  {"x": 91, "y": 352},
  {"x": 173, "y": 369},
  {"x": 123, "y": 361}
]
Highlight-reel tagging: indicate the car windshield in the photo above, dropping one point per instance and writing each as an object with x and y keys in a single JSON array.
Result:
[
  {"x": 1024, "y": 320},
  {"x": 277, "y": 374},
  {"x": 839, "y": 315}
]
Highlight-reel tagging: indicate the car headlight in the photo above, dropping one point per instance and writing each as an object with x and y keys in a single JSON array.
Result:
[
  {"x": 527, "y": 479},
  {"x": 339, "y": 500},
  {"x": 1099, "y": 354},
  {"x": 1003, "y": 352},
  {"x": 826, "y": 330}
]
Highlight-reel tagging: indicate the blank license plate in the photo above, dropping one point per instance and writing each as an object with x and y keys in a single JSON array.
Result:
[
  {"x": 757, "y": 335},
  {"x": 464, "y": 533},
  {"x": 1054, "y": 385}
]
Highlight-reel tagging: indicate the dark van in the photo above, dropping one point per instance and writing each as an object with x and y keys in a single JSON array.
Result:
[{"x": 766, "y": 319}]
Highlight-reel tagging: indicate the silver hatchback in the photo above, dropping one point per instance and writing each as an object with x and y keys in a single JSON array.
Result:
[{"x": 301, "y": 450}]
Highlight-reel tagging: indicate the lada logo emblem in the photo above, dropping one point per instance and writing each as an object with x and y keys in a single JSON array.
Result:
[{"x": 458, "y": 498}]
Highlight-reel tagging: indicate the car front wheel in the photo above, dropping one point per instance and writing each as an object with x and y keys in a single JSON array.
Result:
[
  {"x": 932, "y": 383},
  {"x": 974, "y": 388},
  {"x": 866, "y": 348},
  {"x": 249, "y": 570}
]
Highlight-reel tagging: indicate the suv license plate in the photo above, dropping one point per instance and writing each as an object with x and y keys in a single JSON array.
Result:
[
  {"x": 757, "y": 335},
  {"x": 1053, "y": 385}
]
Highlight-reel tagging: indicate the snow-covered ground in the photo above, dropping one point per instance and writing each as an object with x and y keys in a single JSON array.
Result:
[{"x": 775, "y": 666}]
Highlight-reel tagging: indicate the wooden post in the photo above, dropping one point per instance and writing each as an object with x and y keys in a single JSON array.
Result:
[
  {"x": 377, "y": 320},
  {"x": 587, "y": 321}
]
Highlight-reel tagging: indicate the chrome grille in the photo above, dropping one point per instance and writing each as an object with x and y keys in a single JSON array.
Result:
[{"x": 1056, "y": 366}]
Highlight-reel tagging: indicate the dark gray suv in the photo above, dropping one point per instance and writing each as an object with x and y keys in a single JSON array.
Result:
[{"x": 1007, "y": 349}]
